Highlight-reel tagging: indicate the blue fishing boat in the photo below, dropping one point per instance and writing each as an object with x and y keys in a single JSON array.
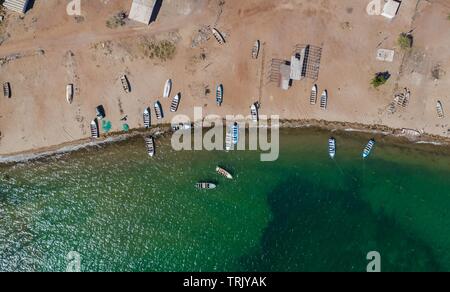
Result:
[
  {"x": 235, "y": 133},
  {"x": 368, "y": 150},
  {"x": 219, "y": 95},
  {"x": 332, "y": 147}
]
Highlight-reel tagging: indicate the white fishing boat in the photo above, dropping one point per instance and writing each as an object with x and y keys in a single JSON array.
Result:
[
  {"x": 324, "y": 100},
  {"x": 440, "y": 110},
  {"x": 313, "y": 97},
  {"x": 95, "y": 133},
  {"x": 205, "y": 186},
  {"x": 69, "y": 93},
  {"x": 218, "y": 36},
  {"x": 332, "y": 147},
  {"x": 219, "y": 95},
  {"x": 150, "y": 144},
  {"x": 255, "y": 50},
  {"x": 167, "y": 88},
  {"x": 147, "y": 118},
  {"x": 175, "y": 103},
  {"x": 125, "y": 84},
  {"x": 158, "y": 110},
  {"x": 223, "y": 172},
  {"x": 229, "y": 142},
  {"x": 254, "y": 112},
  {"x": 7, "y": 89},
  {"x": 368, "y": 150},
  {"x": 235, "y": 133}
]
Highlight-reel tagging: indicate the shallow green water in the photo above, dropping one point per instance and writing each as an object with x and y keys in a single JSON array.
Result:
[{"x": 123, "y": 211}]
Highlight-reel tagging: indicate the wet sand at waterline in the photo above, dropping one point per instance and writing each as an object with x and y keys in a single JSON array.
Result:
[{"x": 57, "y": 49}]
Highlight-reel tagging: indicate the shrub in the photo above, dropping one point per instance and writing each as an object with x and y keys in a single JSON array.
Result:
[
  {"x": 405, "y": 41},
  {"x": 162, "y": 50},
  {"x": 380, "y": 79}
]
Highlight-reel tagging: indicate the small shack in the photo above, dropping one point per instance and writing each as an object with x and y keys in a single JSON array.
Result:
[
  {"x": 19, "y": 6},
  {"x": 391, "y": 8},
  {"x": 143, "y": 11}
]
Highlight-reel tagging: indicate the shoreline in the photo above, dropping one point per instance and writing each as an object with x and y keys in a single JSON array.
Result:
[{"x": 77, "y": 145}]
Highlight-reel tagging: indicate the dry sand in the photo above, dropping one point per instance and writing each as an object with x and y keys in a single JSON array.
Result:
[{"x": 56, "y": 49}]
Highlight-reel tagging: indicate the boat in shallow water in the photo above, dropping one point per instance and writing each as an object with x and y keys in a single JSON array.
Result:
[
  {"x": 255, "y": 50},
  {"x": 223, "y": 172},
  {"x": 205, "y": 186},
  {"x": 150, "y": 144},
  {"x": 147, "y": 118},
  {"x": 219, "y": 95},
  {"x": 95, "y": 132},
  {"x": 167, "y": 88},
  {"x": 313, "y": 97},
  {"x": 175, "y": 103},
  {"x": 332, "y": 147},
  {"x": 159, "y": 111},
  {"x": 368, "y": 150},
  {"x": 235, "y": 133}
]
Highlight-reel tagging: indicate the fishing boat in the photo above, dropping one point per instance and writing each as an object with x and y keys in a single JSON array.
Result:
[
  {"x": 235, "y": 133},
  {"x": 223, "y": 172},
  {"x": 219, "y": 95},
  {"x": 255, "y": 50},
  {"x": 254, "y": 112},
  {"x": 175, "y": 103},
  {"x": 95, "y": 133},
  {"x": 125, "y": 84},
  {"x": 205, "y": 186},
  {"x": 159, "y": 111},
  {"x": 313, "y": 97},
  {"x": 324, "y": 100},
  {"x": 150, "y": 144},
  {"x": 147, "y": 118},
  {"x": 69, "y": 93},
  {"x": 228, "y": 141},
  {"x": 368, "y": 150},
  {"x": 7, "y": 90},
  {"x": 332, "y": 147},
  {"x": 167, "y": 88},
  {"x": 219, "y": 37},
  {"x": 440, "y": 110}
]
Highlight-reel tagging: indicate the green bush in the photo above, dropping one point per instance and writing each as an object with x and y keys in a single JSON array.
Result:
[
  {"x": 162, "y": 50},
  {"x": 380, "y": 79},
  {"x": 405, "y": 41}
]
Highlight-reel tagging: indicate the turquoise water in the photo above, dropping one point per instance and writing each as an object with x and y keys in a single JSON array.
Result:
[{"x": 123, "y": 211}]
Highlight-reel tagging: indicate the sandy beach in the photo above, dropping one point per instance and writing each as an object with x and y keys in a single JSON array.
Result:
[{"x": 46, "y": 49}]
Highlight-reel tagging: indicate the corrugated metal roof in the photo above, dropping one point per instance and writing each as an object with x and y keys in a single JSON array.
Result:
[
  {"x": 19, "y": 6},
  {"x": 141, "y": 10}
]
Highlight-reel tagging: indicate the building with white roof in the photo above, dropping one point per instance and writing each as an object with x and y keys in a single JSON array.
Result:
[
  {"x": 19, "y": 6},
  {"x": 142, "y": 11},
  {"x": 391, "y": 8}
]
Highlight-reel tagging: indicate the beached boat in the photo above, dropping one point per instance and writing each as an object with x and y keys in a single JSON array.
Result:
[
  {"x": 69, "y": 93},
  {"x": 150, "y": 144},
  {"x": 147, "y": 118},
  {"x": 219, "y": 37},
  {"x": 175, "y": 103},
  {"x": 255, "y": 50},
  {"x": 219, "y": 95},
  {"x": 7, "y": 90},
  {"x": 158, "y": 110},
  {"x": 313, "y": 97},
  {"x": 254, "y": 112},
  {"x": 223, "y": 172},
  {"x": 125, "y": 84},
  {"x": 235, "y": 133},
  {"x": 440, "y": 110},
  {"x": 167, "y": 88},
  {"x": 332, "y": 147},
  {"x": 228, "y": 141},
  {"x": 95, "y": 132},
  {"x": 205, "y": 186},
  {"x": 324, "y": 100},
  {"x": 368, "y": 150}
]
